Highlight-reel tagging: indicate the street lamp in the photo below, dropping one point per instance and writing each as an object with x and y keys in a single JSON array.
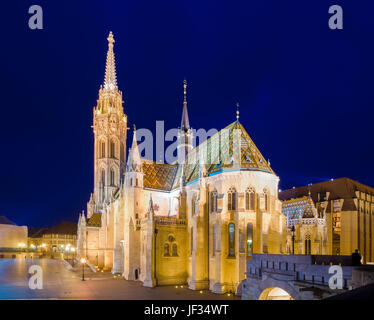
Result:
[
  {"x": 72, "y": 256},
  {"x": 293, "y": 239},
  {"x": 83, "y": 262}
]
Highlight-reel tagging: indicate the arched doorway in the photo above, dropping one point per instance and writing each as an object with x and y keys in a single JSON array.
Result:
[{"x": 275, "y": 293}]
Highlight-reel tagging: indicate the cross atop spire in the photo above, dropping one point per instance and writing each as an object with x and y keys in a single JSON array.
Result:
[
  {"x": 185, "y": 124},
  {"x": 110, "y": 82},
  {"x": 237, "y": 111}
]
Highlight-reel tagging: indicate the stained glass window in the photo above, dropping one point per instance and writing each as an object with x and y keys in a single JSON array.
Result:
[
  {"x": 231, "y": 240},
  {"x": 249, "y": 239},
  {"x": 250, "y": 199}
]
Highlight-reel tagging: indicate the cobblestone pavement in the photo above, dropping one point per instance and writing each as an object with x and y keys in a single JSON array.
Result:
[{"x": 61, "y": 283}]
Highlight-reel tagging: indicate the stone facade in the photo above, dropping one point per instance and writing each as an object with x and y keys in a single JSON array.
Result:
[
  {"x": 193, "y": 222},
  {"x": 348, "y": 208},
  {"x": 13, "y": 236}
]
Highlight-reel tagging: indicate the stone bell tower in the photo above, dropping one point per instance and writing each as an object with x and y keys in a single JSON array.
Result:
[{"x": 110, "y": 130}]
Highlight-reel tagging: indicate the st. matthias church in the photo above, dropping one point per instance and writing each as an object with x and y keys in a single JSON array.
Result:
[{"x": 193, "y": 223}]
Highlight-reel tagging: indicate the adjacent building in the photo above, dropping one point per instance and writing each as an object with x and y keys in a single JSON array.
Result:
[
  {"x": 61, "y": 238},
  {"x": 11, "y": 235},
  {"x": 347, "y": 207}
]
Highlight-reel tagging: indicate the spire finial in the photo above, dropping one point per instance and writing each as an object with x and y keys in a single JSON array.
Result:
[
  {"x": 237, "y": 111},
  {"x": 110, "y": 81},
  {"x": 185, "y": 89},
  {"x": 134, "y": 127},
  {"x": 185, "y": 124}
]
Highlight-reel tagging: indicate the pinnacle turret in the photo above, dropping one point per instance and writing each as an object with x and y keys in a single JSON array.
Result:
[{"x": 134, "y": 161}]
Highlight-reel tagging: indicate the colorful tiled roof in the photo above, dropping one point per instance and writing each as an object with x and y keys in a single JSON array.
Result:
[
  {"x": 158, "y": 175},
  {"x": 219, "y": 150},
  {"x": 300, "y": 207},
  {"x": 94, "y": 220}
]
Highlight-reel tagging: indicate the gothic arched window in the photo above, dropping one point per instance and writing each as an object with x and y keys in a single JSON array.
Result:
[
  {"x": 112, "y": 177},
  {"x": 249, "y": 239},
  {"x": 213, "y": 201},
  {"x": 102, "y": 149},
  {"x": 103, "y": 177},
  {"x": 174, "y": 250},
  {"x": 250, "y": 199},
  {"x": 166, "y": 250},
  {"x": 232, "y": 199},
  {"x": 112, "y": 149},
  {"x": 231, "y": 234}
]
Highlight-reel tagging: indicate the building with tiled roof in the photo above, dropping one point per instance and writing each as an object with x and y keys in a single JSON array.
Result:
[
  {"x": 194, "y": 220},
  {"x": 348, "y": 206},
  {"x": 306, "y": 227},
  {"x": 61, "y": 238}
]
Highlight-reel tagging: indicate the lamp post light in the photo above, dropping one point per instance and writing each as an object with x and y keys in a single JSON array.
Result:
[
  {"x": 72, "y": 254},
  {"x": 293, "y": 239},
  {"x": 83, "y": 262}
]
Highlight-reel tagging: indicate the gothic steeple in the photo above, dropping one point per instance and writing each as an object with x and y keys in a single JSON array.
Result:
[
  {"x": 185, "y": 123},
  {"x": 110, "y": 130},
  {"x": 110, "y": 81},
  {"x": 185, "y": 132}
]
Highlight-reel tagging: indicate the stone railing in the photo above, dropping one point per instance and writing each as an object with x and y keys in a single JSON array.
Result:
[
  {"x": 170, "y": 221},
  {"x": 306, "y": 221}
]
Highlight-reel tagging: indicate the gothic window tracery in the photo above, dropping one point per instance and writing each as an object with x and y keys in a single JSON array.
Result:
[
  {"x": 308, "y": 243},
  {"x": 112, "y": 149},
  {"x": 250, "y": 199},
  {"x": 171, "y": 244},
  {"x": 102, "y": 149},
  {"x": 213, "y": 201},
  {"x": 232, "y": 199}
]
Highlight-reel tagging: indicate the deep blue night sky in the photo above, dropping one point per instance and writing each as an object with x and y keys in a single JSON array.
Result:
[{"x": 305, "y": 91}]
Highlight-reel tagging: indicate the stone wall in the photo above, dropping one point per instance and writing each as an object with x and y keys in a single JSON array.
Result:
[{"x": 11, "y": 236}]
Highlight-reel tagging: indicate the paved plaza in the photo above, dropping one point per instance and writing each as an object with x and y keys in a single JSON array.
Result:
[{"x": 61, "y": 283}]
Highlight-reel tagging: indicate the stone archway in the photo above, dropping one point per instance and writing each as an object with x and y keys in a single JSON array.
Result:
[
  {"x": 264, "y": 287},
  {"x": 275, "y": 293}
]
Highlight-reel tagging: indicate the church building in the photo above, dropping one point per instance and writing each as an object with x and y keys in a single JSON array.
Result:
[{"x": 193, "y": 222}]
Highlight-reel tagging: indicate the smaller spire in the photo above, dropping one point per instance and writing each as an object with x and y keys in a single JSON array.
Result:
[
  {"x": 134, "y": 155},
  {"x": 237, "y": 111},
  {"x": 185, "y": 124}
]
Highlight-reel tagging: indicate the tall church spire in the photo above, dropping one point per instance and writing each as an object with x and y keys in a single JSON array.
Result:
[
  {"x": 185, "y": 124},
  {"x": 110, "y": 81}
]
